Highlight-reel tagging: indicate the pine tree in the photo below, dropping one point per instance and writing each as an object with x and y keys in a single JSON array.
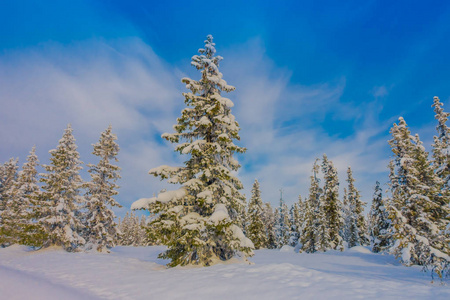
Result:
[
  {"x": 355, "y": 222},
  {"x": 2, "y": 203},
  {"x": 200, "y": 221},
  {"x": 441, "y": 153},
  {"x": 8, "y": 189},
  {"x": 295, "y": 222},
  {"x": 125, "y": 226},
  {"x": 332, "y": 207},
  {"x": 143, "y": 238},
  {"x": 378, "y": 221},
  {"x": 276, "y": 227},
  {"x": 283, "y": 223},
  {"x": 19, "y": 217},
  {"x": 255, "y": 228},
  {"x": 300, "y": 217},
  {"x": 441, "y": 163},
  {"x": 101, "y": 228},
  {"x": 347, "y": 216},
  {"x": 416, "y": 210},
  {"x": 8, "y": 177},
  {"x": 269, "y": 219},
  {"x": 61, "y": 201},
  {"x": 311, "y": 212}
]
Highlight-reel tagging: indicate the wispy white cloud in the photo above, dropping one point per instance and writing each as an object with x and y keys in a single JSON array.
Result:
[
  {"x": 90, "y": 84},
  {"x": 380, "y": 91},
  {"x": 124, "y": 83},
  {"x": 283, "y": 127}
]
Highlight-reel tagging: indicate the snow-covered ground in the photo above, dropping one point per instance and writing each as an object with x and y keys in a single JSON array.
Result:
[{"x": 136, "y": 273}]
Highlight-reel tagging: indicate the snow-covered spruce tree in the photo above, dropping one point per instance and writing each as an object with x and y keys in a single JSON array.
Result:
[
  {"x": 311, "y": 212},
  {"x": 378, "y": 221},
  {"x": 269, "y": 220},
  {"x": 346, "y": 215},
  {"x": 8, "y": 189},
  {"x": 255, "y": 227},
  {"x": 283, "y": 223},
  {"x": 276, "y": 216},
  {"x": 8, "y": 177},
  {"x": 294, "y": 214},
  {"x": 143, "y": 236},
  {"x": 441, "y": 150},
  {"x": 287, "y": 225},
  {"x": 332, "y": 207},
  {"x": 125, "y": 226},
  {"x": 415, "y": 209},
  {"x": 19, "y": 216},
  {"x": 2, "y": 204},
  {"x": 433, "y": 214},
  {"x": 60, "y": 200},
  {"x": 441, "y": 163},
  {"x": 355, "y": 222},
  {"x": 101, "y": 228},
  {"x": 200, "y": 221},
  {"x": 300, "y": 216}
]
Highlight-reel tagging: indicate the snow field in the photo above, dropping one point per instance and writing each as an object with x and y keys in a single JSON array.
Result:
[{"x": 136, "y": 273}]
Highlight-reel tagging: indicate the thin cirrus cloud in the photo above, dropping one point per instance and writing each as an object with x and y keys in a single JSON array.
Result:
[
  {"x": 122, "y": 82},
  {"x": 282, "y": 126},
  {"x": 90, "y": 84}
]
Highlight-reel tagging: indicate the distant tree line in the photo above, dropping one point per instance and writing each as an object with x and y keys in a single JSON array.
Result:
[
  {"x": 412, "y": 221},
  {"x": 62, "y": 210}
]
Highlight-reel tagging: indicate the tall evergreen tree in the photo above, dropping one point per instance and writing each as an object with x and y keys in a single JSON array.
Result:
[
  {"x": 8, "y": 177},
  {"x": 312, "y": 225},
  {"x": 346, "y": 215},
  {"x": 20, "y": 227},
  {"x": 301, "y": 216},
  {"x": 441, "y": 152},
  {"x": 416, "y": 210},
  {"x": 269, "y": 220},
  {"x": 283, "y": 223},
  {"x": 200, "y": 222},
  {"x": 143, "y": 237},
  {"x": 441, "y": 163},
  {"x": 332, "y": 206},
  {"x": 61, "y": 201},
  {"x": 8, "y": 189},
  {"x": 295, "y": 222},
  {"x": 378, "y": 221},
  {"x": 255, "y": 228},
  {"x": 101, "y": 228},
  {"x": 355, "y": 222}
]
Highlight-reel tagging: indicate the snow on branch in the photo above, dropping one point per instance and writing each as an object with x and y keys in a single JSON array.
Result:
[
  {"x": 220, "y": 214},
  {"x": 143, "y": 203}
]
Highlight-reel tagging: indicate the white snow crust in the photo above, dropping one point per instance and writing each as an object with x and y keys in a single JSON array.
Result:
[{"x": 137, "y": 273}]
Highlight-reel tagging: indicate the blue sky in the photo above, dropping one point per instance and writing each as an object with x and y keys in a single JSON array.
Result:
[{"x": 312, "y": 77}]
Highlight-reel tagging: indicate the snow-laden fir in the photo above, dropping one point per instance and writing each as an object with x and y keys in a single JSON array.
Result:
[
  {"x": 100, "y": 225},
  {"x": 418, "y": 208},
  {"x": 201, "y": 221},
  {"x": 60, "y": 202}
]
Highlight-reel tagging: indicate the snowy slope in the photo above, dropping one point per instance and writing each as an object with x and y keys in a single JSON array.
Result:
[{"x": 136, "y": 273}]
